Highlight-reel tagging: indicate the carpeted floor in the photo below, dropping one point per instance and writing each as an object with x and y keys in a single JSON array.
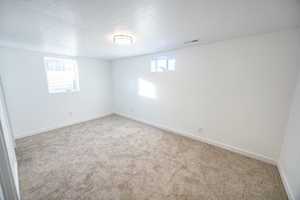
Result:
[{"x": 114, "y": 158}]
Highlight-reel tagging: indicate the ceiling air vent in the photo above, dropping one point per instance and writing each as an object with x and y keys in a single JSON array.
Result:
[{"x": 191, "y": 42}]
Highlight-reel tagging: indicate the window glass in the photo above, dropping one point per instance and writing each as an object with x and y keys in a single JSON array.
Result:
[
  {"x": 163, "y": 64},
  {"x": 62, "y": 75}
]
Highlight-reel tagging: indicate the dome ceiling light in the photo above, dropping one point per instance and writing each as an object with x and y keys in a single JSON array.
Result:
[{"x": 123, "y": 39}]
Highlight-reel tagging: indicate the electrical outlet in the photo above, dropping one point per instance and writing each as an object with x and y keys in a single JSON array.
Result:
[{"x": 70, "y": 114}]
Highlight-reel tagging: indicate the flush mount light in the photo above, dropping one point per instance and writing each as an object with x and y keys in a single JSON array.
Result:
[{"x": 123, "y": 39}]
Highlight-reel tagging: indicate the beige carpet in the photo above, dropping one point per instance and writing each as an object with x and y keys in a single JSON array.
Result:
[{"x": 114, "y": 158}]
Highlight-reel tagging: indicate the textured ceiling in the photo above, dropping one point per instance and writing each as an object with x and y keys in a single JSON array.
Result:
[{"x": 84, "y": 27}]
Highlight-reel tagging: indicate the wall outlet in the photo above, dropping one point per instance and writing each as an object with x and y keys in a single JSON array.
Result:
[{"x": 70, "y": 114}]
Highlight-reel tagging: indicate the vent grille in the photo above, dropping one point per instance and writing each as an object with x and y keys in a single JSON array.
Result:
[{"x": 191, "y": 42}]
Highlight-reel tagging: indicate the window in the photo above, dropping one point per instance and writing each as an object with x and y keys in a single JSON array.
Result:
[
  {"x": 163, "y": 64},
  {"x": 62, "y": 75}
]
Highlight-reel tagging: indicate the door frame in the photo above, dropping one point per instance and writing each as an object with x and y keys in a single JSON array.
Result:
[{"x": 6, "y": 177}]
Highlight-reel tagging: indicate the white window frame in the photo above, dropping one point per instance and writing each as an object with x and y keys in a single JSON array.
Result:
[
  {"x": 75, "y": 87},
  {"x": 154, "y": 63}
]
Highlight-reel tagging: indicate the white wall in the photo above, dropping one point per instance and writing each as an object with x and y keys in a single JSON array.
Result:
[
  {"x": 289, "y": 164},
  {"x": 238, "y": 91},
  {"x": 32, "y": 109}
]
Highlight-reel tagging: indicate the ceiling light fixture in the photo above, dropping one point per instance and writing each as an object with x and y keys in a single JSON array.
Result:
[{"x": 123, "y": 39}]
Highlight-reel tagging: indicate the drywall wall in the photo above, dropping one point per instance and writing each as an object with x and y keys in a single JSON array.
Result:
[
  {"x": 234, "y": 93},
  {"x": 32, "y": 109},
  {"x": 290, "y": 155}
]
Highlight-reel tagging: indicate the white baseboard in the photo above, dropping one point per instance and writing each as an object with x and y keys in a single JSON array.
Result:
[
  {"x": 206, "y": 140},
  {"x": 42, "y": 130},
  {"x": 285, "y": 181}
]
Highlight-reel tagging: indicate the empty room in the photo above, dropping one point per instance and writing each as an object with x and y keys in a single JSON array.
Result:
[{"x": 149, "y": 100}]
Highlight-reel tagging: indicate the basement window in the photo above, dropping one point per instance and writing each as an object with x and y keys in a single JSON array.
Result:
[
  {"x": 62, "y": 75},
  {"x": 163, "y": 64}
]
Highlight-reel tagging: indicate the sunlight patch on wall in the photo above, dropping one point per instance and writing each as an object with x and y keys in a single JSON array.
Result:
[{"x": 146, "y": 89}]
